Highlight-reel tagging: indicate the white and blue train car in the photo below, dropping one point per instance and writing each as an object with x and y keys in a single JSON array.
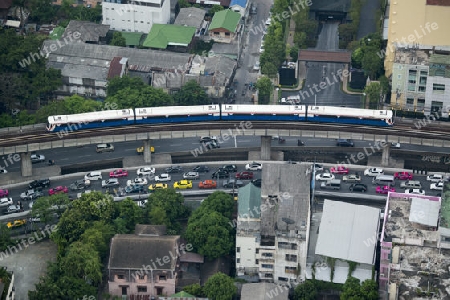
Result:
[
  {"x": 97, "y": 119},
  {"x": 177, "y": 114},
  {"x": 345, "y": 115},
  {"x": 264, "y": 112}
]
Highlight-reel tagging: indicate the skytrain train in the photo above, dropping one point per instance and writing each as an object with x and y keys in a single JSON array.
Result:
[{"x": 220, "y": 112}]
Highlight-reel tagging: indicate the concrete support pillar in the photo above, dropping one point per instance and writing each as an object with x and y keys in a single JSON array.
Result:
[
  {"x": 385, "y": 155},
  {"x": 25, "y": 164},
  {"x": 266, "y": 144},
  {"x": 147, "y": 151}
]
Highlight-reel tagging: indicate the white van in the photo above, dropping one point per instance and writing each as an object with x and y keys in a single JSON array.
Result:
[
  {"x": 384, "y": 180},
  {"x": 104, "y": 148},
  {"x": 334, "y": 184},
  {"x": 96, "y": 175}
]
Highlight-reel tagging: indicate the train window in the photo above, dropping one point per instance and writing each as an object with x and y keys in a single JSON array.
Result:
[
  {"x": 383, "y": 112},
  {"x": 212, "y": 107},
  {"x": 58, "y": 118},
  {"x": 229, "y": 107},
  {"x": 125, "y": 112},
  {"x": 142, "y": 111}
]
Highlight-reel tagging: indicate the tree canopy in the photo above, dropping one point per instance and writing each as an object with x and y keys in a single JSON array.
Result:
[
  {"x": 220, "y": 287},
  {"x": 118, "y": 40},
  {"x": 305, "y": 291},
  {"x": 353, "y": 290},
  {"x": 373, "y": 92},
  {"x": 265, "y": 87},
  {"x": 191, "y": 94}
]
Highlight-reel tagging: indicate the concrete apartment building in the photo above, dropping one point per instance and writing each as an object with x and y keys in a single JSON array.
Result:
[
  {"x": 135, "y": 16},
  {"x": 427, "y": 30},
  {"x": 421, "y": 81},
  {"x": 273, "y": 226},
  {"x": 415, "y": 255}
]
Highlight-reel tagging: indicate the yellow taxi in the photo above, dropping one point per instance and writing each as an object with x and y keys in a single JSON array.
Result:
[
  {"x": 157, "y": 186},
  {"x": 183, "y": 184},
  {"x": 140, "y": 150},
  {"x": 16, "y": 223}
]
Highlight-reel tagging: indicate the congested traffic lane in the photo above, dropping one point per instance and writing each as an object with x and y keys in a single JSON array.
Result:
[{"x": 75, "y": 155}]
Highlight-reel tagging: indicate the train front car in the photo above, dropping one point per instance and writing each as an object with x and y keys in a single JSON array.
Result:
[
  {"x": 345, "y": 115},
  {"x": 177, "y": 114},
  {"x": 97, "y": 119},
  {"x": 263, "y": 112}
]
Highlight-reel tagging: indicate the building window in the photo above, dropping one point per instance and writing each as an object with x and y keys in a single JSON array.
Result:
[
  {"x": 422, "y": 89},
  {"x": 267, "y": 254},
  {"x": 142, "y": 277},
  {"x": 399, "y": 76},
  {"x": 290, "y": 270},
  {"x": 238, "y": 260},
  {"x": 142, "y": 289},
  {"x": 112, "y": 8},
  {"x": 423, "y": 73},
  {"x": 107, "y": 18},
  {"x": 282, "y": 279},
  {"x": 257, "y": 262},
  {"x": 438, "y": 88},
  {"x": 120, "y": 276},
  {"x": 268, "y": 275},
  {"x": 162, "y": 277},
  {"x": 266, "y": 266},
  {"x": 410, "y": 101},
  {"x": 238, "y": 249},
  {"x": 227, "y": 34},
  {"x": 142, "y": 22},
  {"x": 440, "y": 73},
  {"x": 291, "y": 257},
  {"x": 421, "y": 103},
  {"x": 216, "y": 33}
]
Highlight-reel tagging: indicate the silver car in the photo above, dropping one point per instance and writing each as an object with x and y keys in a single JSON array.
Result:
[
  {"x": 163, "y": 177},
  {"x": 110, "y": 182},
  {"x": 191, "y": 175}
]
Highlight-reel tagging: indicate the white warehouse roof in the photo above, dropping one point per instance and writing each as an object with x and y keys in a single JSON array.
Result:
[
  {"x": 348, "y": 232},
  {"x": 424, "y": 211}
]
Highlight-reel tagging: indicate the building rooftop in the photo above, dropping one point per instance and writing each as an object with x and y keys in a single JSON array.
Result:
[
  {"x": 424, "y": 212},
  {"x": 285, "y": 197},
  {"x": 224, "y": 3},
  {"x": 163, "y": 35},
  {"x": 150, "y": 230},
  {"x": 190, "y": 16},
  {"x": 344, "y": 228},
  {"x": 241, "y": 3},
  {"x": 249, "y": 197},
  {"x": 411, "y": 56},
  {"x": 90, "y": 32},
  {"x": 129, "y": 251},
  {"x": 439, "y": 2},
  {"x": 226, "y": 19},
  {"x": 325, "y": 56},
  {"x": 262, "y": 291},
  {"x": 331, "y": 6},
  {"x": 117, "y": 67},
  {"x": 132, "y": 38}
]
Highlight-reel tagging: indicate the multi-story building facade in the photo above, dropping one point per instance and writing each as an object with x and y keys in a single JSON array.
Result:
[
  {"x": 135, "y": 16},
  {"x": 428, "y": 27},
  {"x": 421, "y": 81},
  {"x": 272, "y": 233}
]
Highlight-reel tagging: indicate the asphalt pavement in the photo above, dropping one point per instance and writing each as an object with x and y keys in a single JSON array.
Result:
[{"x": 367, "y": 22}]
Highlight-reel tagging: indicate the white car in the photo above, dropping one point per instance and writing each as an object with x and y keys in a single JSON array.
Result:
[
  {"x": 268, "y": 22},
  {"x": 144, "y": 171},
  {"x": 324, "y": 177},
  {"x": 3, "y": 171},
  {"x": 257, "y": 66},
  {"x": 373, "y": 172},
  {"x": 163, "y": 177},
  {"x": 254, "y": 166},
  {"x": 137, "y": 181},
  {"x": 5, "y": 202},
  {"x": 439, "y": 186},
  {"x": 395, "y": 145},
  {"x": 435, "y": 177},
  {"x": 191, "y": 175},
  {"x": 35, "y": 158},
  {"x": 415, "y": 191},
  {"x": 261, "y": 49}
]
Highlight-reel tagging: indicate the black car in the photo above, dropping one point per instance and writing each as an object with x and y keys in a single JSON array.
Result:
[
  {"x": 229, "y": 168},
  {"x": 211, "y": 145},
  {"x": 174, "y": 169},
  {"x": 358, "y": 187},
  {"x": 207, "y": 139},
  {"x": 220, "y": 174},
  {"x": 256, "y": 182},
  {"x": 201, "y": 169},
  {"x": 39, "y": 184},
  {"x": 233, "y": 183},
  {"x": 345, "y": 143}
]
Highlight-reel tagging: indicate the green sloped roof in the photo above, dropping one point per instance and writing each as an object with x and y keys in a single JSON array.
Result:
[
  {"x": 162, "y": 35},
  {"x": 249, "y": 197},
  {"x": 182, "y": 294},
  {"x": 132, "y": 38},
  {"x": 57, "y": 33},
  {"x": 226, "y": 19}
]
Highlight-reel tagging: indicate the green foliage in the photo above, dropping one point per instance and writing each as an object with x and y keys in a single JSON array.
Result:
[
  {"x": 118, "y": 40},
  {"x": 70, "y": 105},
  {"x": 305, "y": 291},
  {"x": 191, "y": 94},
  {"x": 353, "y": 290},
  {"x": 294, "y": 53},
  {"x": 166, "y": 207},
  {"x": 373, "y": 91},
  {"x": 117, "y": 84},
  {"x": 82, "y": 260},
  {"x": 357, "y": 57},
  {"x": 183, "y": 3},
  {"x": 147, "y": 96},
  {"x": 215, "y": 8},
  {"x": 5, "y": 237},
  {"x": 130, "y": 213},
  {"x": 369, "y": 290},
  {"x": 265, "y": 87},
  {"x": 351, "y": 267},
  {"x": 98, "y": 235},
  {"x": 221, "y": 202},
  {"x": 385, "y": 85},
  {"x": 220, "y": 287},
  {"x": 46, "y": 207},
  {"x": 194, "y": 289}
]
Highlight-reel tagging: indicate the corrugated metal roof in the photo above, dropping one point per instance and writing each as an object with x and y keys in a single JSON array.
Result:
[
  {"x": 345, "y": 230},
  {"x": 190, "y": 16},
  {"x": 226, "y": 19},
  {"x": 249, "y": 197},
  {"x": 163, "y": 35}
]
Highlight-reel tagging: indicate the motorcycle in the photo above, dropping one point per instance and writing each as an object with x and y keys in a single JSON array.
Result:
[
  {"x": 300, "y": 143},
  {"x": 281, "y": 140}
]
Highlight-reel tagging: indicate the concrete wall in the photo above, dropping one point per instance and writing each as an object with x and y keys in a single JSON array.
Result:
[{"x": 247, "y": 253}]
